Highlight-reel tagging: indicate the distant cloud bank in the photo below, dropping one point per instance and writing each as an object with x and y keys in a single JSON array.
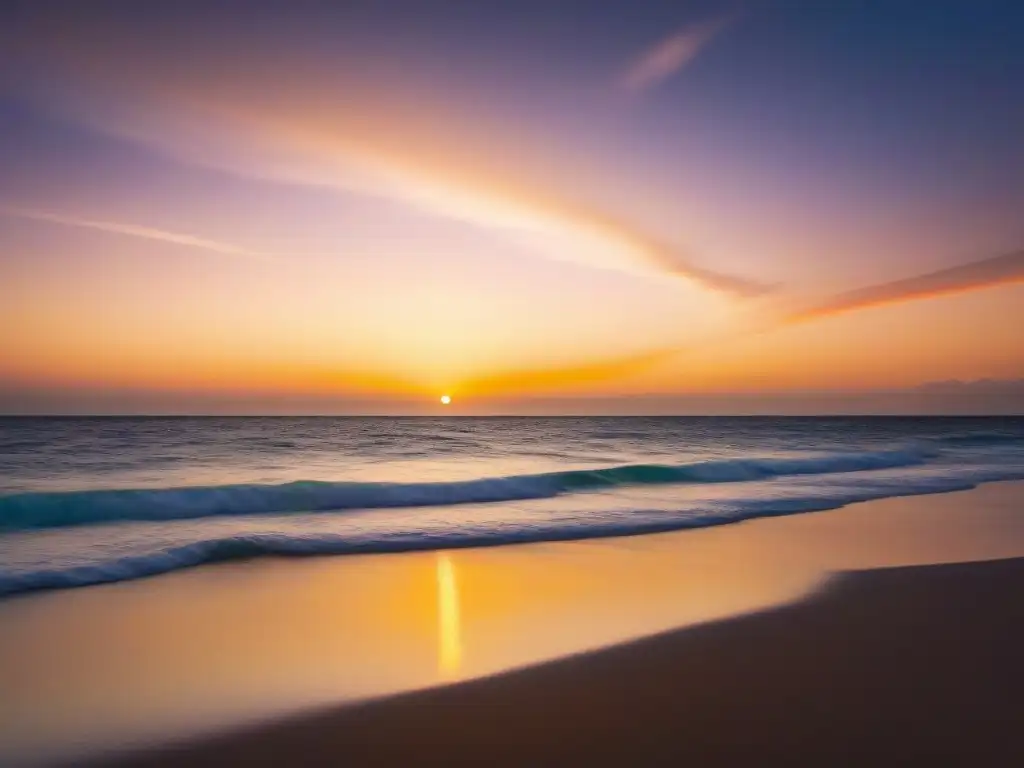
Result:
[
  {"x": 985, "y": 397},
  {"x": 978, "y": 387}
]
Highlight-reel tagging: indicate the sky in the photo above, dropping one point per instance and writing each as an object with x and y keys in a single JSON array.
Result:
[{"x": 534, "y": 207}]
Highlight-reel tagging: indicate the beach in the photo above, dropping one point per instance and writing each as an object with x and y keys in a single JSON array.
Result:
[
  {"x": 413, "y": 383},
  {"x": 912, "y": 666},
  {"x": 886, "y": 629}
]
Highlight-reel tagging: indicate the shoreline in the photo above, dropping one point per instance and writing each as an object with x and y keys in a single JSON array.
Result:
[
  {"x": 885, "y": 667},
  {"x": 244, "y": 550}
]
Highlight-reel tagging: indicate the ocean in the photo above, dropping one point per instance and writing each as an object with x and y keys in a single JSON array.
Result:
[{"x": 91, "y": 500}]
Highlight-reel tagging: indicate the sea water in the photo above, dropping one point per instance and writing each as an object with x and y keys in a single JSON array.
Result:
[{"x": 91, "y": 500}]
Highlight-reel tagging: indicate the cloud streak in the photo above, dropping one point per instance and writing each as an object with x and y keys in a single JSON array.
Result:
[
  {"x": 977, "y": 275},
  {"x": 999, "y": 270},
  {"x": 669, "y": 56},
  {"x": 299, "y": 124},
  {"x": 131, "y": 230}
]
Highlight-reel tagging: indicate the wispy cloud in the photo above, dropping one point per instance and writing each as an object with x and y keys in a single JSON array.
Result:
[
  {"x": 303, "y": 125},
  {"x": 670, "y": 55},
  {"x": 1008, "y": 268},
  {"x": 976, "y": 275},
  {"x": 132, "y": 230}
]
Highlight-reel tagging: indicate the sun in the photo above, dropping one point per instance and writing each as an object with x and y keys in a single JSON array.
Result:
[{"x": 446, "y": 399}]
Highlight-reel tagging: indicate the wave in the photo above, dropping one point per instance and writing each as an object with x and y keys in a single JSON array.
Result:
[
  {"x": 50, "y": 510},
  {"x": 166, "y": 558}
]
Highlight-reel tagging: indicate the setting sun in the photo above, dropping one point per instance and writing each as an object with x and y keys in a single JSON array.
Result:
[{"x": 446, "y": 399}]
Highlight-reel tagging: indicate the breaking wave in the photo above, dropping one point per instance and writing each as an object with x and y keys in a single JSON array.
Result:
[
  {"x": 76, "y": 538},
  {"x": 51, "y": 510}
]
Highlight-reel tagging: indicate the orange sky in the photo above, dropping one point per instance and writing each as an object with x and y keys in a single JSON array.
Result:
[{"x": 268, "y": 219}]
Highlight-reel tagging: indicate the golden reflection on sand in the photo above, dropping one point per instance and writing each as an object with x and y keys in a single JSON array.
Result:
[{"x": 449, "y": 631}]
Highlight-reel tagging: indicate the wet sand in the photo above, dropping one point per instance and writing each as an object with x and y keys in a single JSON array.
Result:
[{"x": 911, "y": 666}]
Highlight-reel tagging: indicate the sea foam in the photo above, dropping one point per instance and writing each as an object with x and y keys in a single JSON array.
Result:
[{"x": 81, "y": 537}]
